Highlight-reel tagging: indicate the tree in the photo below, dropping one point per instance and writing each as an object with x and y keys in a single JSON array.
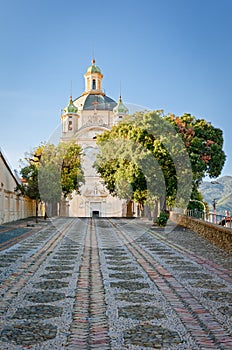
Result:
[
  {"x": 204, "y": 144},
  {"x": 149, "y": 157},
  {"x": 197, "y": 202},
  {"x": 29, "y": 186},
  {"x": 58, "y": 172},
  {"x": 141, "y": 151}
]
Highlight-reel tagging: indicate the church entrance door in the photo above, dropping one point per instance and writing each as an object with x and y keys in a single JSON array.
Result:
[{"x": 95, "y": 209}]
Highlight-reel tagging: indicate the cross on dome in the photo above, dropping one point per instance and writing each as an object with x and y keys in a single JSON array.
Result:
[{"x": 95, "y": 103}]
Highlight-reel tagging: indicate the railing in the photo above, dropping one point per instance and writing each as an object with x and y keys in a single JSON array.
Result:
[{"x": 211, "y": 217}]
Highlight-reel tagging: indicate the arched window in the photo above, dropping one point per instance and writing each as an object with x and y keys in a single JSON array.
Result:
[
  {"x": 70, "y": 126},
  {"x": 94, "y": 84}
]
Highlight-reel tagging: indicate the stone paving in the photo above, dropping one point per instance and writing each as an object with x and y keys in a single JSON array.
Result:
[
  {"x": 13, "y": 232},
  {"x": 114, "y": 284}
]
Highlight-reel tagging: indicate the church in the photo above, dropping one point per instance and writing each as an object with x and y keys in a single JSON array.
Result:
[{"x": 82, "y": 120}]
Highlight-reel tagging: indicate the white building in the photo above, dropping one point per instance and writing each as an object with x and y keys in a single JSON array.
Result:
[{"x": 85, "y": 117}]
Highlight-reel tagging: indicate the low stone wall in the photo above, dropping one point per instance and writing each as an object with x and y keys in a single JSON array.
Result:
[{"x": 216, "y": 234}]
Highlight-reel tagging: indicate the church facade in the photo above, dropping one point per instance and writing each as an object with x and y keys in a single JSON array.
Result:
[{"x": 82, "y": 120}]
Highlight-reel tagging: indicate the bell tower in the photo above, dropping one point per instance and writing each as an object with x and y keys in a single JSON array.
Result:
[{"x": 69, "y": 120}]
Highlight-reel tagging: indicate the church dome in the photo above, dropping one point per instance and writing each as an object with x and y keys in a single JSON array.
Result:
[
  {"x": 120, "y": 108},
  {"x": 95, "y": 101},
  {"x": 70, "y": 108},
  {"x": 93, "y": 68}
]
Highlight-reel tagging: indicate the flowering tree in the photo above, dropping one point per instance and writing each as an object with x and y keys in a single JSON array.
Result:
[{"x": 149, "y": 157}]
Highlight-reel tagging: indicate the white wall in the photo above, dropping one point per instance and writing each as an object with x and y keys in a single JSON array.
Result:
[{"x": 12, "y": 206}]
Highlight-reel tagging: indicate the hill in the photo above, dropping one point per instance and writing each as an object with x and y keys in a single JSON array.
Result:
[{"x": 219, "y": 190}]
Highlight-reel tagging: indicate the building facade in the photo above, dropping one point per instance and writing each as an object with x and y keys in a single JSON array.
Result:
[
  {"x": 13, "y": 206},
  {"x": 82, "y": 120}
]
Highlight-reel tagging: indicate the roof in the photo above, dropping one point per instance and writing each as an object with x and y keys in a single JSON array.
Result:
[
  {"x": 120, "y": 107},
  {"x": 95, "y": 101},
  {"x": 9, "y": 168},
  {"x": 93, "y": 68},
  {"x": 70, "y": 108}
]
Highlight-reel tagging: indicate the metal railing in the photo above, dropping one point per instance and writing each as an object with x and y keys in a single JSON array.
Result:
[{"x": 222, "y": 220}]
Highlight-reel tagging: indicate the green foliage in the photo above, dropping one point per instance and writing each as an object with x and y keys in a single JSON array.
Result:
[
  {"x": 52, "y": 171},
  {"x": 197, "y": 201},
  {"x": 60, "y": 171},
  {"x": 143, "y": 151},
  {"x": 162, "y": 219},
  {"x": 50, "y": 182},
  {"x": 149, "y": 156},
  {"x": 72, "y": 174},
  {"x": 204, "y": 144},
  {"x": 30, "y": 185}
]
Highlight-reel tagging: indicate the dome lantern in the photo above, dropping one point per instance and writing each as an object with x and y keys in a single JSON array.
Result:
[
  {"x": 93, "y": 80},
  {"x": 120, "y": 108},
  {"x": 70, "y": 108}
]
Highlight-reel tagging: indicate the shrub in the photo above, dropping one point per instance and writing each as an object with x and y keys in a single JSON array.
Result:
[{"x": 162, "y": 219}]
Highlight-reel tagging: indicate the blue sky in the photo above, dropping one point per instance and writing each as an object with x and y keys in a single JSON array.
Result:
[{"x": 174, "y": 55}]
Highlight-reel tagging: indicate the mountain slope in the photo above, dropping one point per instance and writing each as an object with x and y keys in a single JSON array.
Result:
[{"x": 219, "y": 190}]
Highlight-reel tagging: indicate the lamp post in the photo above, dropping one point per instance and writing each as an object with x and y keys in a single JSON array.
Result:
[
  {"x": 196, "y": 200},
  {"x": 214, "y": 210},
  {"x": 214, "y": 182}
]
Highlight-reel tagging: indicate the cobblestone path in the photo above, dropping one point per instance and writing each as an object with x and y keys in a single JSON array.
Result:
[
  {"x": 11, "y": 234},
  {"x": 114, "y": 284}
]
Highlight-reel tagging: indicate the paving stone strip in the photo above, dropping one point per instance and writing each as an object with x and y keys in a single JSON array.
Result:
[
  {"x": 11, "y": 234},
  {"x": 89, "y": 329},
  {"x": 16, "y": 234},
  {"x": 43, "y": 325},
  {"x": 111, "y": 284},
  {"x": 185, "y": 240},
  {"x": 18, "y": 279},
  {"x": 208, "y": 333},
  {"x": 211, "y": 266},
  {"x": 128, "y": 302}
]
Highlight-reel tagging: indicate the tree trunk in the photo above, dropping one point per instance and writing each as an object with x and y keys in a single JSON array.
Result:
[
  {"x": 156, "y": 209},
  {"x": 36, "y": 209},
  {"x": 163, "y": 203}
]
